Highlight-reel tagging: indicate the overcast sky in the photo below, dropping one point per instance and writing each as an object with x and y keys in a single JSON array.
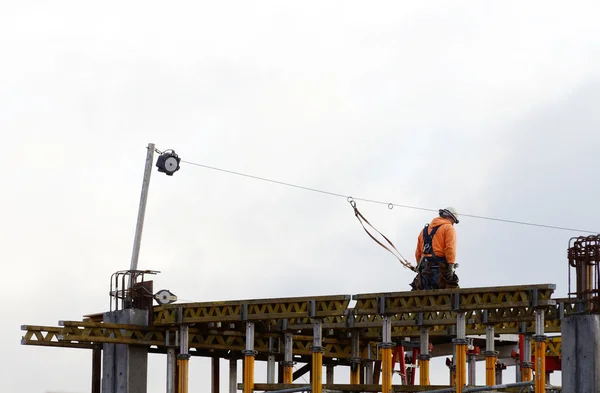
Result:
[{"x": 488, "y": 107}]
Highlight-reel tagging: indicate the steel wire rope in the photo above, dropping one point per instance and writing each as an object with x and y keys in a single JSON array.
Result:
[{"x": 388, "y": 204}]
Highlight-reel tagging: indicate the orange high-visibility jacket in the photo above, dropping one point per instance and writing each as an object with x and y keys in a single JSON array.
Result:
[{"x": 443, "y": 242}]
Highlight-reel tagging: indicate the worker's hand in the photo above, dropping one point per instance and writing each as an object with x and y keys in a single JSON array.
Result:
[{"x": 450, "y": 270}]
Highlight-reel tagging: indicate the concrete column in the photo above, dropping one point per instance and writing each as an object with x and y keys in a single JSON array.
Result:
[
  {"x": 580, "y": 353},
  {"x": 125, "y": 367}
]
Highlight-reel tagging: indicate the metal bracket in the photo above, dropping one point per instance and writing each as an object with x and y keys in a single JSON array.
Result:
[
  {"x": 244, "y": 312},
  {"x": 533, "y": 297},
  {"x": 455, "y": 301},
  {"x": 312, "y": 308},
  {"x": 380, "y": 304}
]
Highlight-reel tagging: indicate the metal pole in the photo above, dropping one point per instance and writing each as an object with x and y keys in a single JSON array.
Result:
[
  {"x": 540, "y": 352},
  {"x": 526, "y": 365},
  {"x": 171, "y": 366},
  {"x": 249, "y": 355},
  {"x": 329, "y": 374},
  {"x": 386, "y": 355},
  {"x": 472, "y": 370},
  {"x": 460, "y": 345},
  {"x": 96, "y": 370},
  {"x": 424, "y": 358},
  {"x": 142, "y": 208},
  {"x": 183, "y": 359},
  {"x": 369, "y": 366},
  {"x": 317, "y": 357},
  {"x": 356, "y": 360},
  {"x": 215, "y": 375},
  {"x": 490, "y": 356},
  {"x": 232, "y": 375},
  {"x": 271, "y": 361},
  {"x": 484, "y": 388},
  {"x": 288, "y": 360}
]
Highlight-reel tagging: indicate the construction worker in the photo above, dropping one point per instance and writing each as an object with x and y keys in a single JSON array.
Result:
[{"x": 436, "y": 253}]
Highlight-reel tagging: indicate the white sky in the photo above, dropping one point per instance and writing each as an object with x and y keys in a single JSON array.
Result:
[{"x": 489, "y": 107}]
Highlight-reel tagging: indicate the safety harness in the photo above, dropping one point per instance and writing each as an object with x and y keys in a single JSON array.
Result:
[{"x": 428, "y": 245}]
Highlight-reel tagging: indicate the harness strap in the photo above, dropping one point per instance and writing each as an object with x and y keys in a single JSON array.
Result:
[{"x": 400, "y": 258}]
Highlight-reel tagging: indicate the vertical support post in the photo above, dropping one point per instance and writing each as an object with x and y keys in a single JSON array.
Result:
[
  {"x": 142, "y": 208},
  {"x": 271, "y": 361},
  {"x": 356, "y": 360},
  {"x": 329, "y": 374},
  {"x": 540, "y": 352},
  {"x": 96, "y": 370},
  {"x": 499, "y": 368},
  {"x": 233, "y": 375},
  {"x": 317, "y": 357},
  {"x": 424, "y": 358},
  {"x": 249, "y": 355},
  {"x": 369, "y": 366},
  {"x": 491, "y": 356},
  {"x": 460, "y": 345},
  {"x": 471, "y": 369},
  {"x": 386, "y": 356},
  {"x": 526, "y": 364},
  {"x": 288, "y": 363},
  {"x": 216, "y": 372},
  {"x": 183, "y": 359},
  {"x": 171, "y": 369}
]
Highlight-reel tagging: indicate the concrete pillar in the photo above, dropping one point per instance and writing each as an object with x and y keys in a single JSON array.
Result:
[
  {"x": 125, "y": 367},
  {"x": 580, "y": 353}
]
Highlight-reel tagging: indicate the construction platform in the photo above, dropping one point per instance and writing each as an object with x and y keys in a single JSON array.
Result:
[{"x": 361, "y": 331}]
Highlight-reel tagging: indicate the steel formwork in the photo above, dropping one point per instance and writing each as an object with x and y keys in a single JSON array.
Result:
[{"x": 330, "y": 329}]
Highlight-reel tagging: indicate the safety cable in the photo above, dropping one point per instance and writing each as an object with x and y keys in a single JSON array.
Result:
[{"x": 388, "y": 204}]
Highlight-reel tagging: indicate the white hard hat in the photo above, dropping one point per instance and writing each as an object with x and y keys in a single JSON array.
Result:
[{"x": 449, "y": 212}]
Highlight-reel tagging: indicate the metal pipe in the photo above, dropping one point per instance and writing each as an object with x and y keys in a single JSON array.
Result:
[
  {"x": 460, "y": 344},
  {"x": 526, "y": 364},
  {"x": 472, "y": 370},
  {"x": 142, "y": 208},
  {"x": 424, "y": 358},
  {"x": 355, "y": 363},
  {"x": 329, "y": 374},
  {"x": 386, "y": 356},
  {"x": 484, "y": 388},
  {"x": 288, "y": 364},
  {"x": 369, "y": 366},
  {"x": 540, "y": 352},
  {"x": 233, "y": 375},
  {"x": 171, "y": 369},
  {"x": 215, "y": 366},
  {"x": 317, "y": 357},
  {"x": 490, "y": 356},
  {"x": 96, "y": 370},
  {"x": 183, "y": 359},
  {"x": 305, "y": 388},
  {"x": 249, "y": 355}
]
